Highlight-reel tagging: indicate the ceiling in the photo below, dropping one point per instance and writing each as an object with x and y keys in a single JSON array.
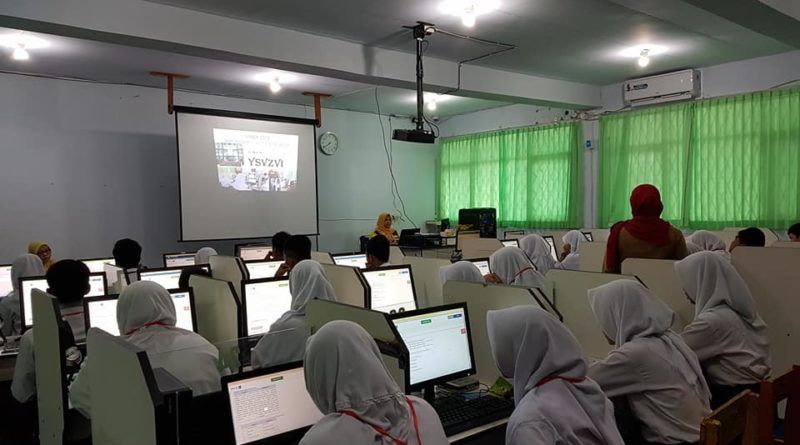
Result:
[
  {"x": 576, "y": 40},
  {"x": 105, "y": 62}
]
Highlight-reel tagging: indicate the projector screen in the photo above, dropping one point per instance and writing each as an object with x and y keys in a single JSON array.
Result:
[{"x": 245, "y": 175}]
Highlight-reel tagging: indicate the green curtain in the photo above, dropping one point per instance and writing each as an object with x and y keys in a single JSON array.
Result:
[{"x": 532, "y": 176}]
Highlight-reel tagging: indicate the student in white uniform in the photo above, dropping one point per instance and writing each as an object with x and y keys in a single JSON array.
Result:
[
  {"x": 203, "y": 254},
  {"x": 511, "y": 266},
  {"x": 28, "y": 265},
  {"x": 571, "y": 257},
  {"x": 378, "y": 252},
  {"x": 555, "y": 402},
  {"x": 651, "y": 368},
  {"x": 461, "y": 271},
  {"x": 362, "y": 404},
  {"x": 68, "y": 281},
  {"x": 538, "y": 252},
  {"x": 727, "y": 334},
  {"x": 146, "y": 318},
  {"x": 286, "y": 340},
  {"x": 703, "y": 240}
]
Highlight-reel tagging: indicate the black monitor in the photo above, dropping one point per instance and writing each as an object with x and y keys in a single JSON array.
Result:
[
  {"x": 248, "y": 252},
  {"x": 510, "y": 242},
  {"x": 482, "y": 264},
  {"x": 167, "y": 277},
  {"x": 391, "y": 289},
  {"x": 481, "y": 219},
  {"x": 552, "y": 242},
  {"x": 179, "y": 259},
  {"x": 588, "y": 236},
  {"x": 357, "y": 260},
  {"x": 101, "y": 312},
  {"x": 262, "y": 269},
  {"x": 97, "y": 287},
  {"x": 264, "y": 301},
  {"x": 5, "y": 280}
]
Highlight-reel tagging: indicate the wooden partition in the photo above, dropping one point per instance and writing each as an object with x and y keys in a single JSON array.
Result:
[
  {"x": 427, "y": 283},
  {"x": 659, "y": 276},
  {"x": 479, "y": 247},
  {"x": 592, "y": 256},
  {"x": 348, "y": 284},
  {"x": 322, "y": 257},
  {"x": 228, "y": 268},
  {"x": 50, "y": 385},
  {"x": 219, "y": 314},
  {"x": 773, "y": 276},
  {"x": 570, "y": 289}
]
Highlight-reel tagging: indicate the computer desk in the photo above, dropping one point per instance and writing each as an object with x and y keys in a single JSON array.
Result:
[
  {"x": 490, "y": 434},
  {"x": 7, "y": 362}
]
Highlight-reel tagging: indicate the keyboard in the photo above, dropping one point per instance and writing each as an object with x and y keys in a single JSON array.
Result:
[{"x": 460, "y": 414}]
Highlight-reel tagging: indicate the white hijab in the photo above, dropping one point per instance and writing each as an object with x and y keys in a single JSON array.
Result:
[
  {"x": 344, "y": 371},
  {"x": 538, "y": 252},
  {"x": 202, "y": 255},
  {"x": 307, "y": 282},
  {"x": 627, "y": 311},
  {"x": 706, "y": 240},
  {"x": 574, "y": 238},
  {"x": 461, "y": 271},
  {"x": 144, "y": 303},
  {"x": 514, "y": 268},
  {"x": 530, "y": 345},
  {"x": 24, "y": 266}
]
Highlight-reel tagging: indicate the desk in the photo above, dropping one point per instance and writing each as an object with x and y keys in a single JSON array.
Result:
[
  {"x": 428, "y": 252},
  {"x": 492, "y": 433},
  {"x": 7, "y": 363}
]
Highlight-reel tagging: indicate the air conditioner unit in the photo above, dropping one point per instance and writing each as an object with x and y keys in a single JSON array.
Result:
[{"x": 670, "y": 87}]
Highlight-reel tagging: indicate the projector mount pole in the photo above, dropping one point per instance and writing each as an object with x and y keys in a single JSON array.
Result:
[{"x": 420, "y": 31}]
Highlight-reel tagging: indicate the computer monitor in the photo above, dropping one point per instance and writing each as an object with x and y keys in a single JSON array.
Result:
[
  {"x": 97, "y": 264},
  {"x": 248, "y": 252},
  {"x": 482, "y": 264},
  {"x": 270, "y": 405},
  {"x": 101, "y": 312},
  {"x": 97, "y": 287},
  {"x": 179, "y": 259},
  {"x": 439, "y": 344},
  {"x": 588, "y": 236},
  {"x": 168, "y": 277},
  {"x": 264, "y": 301},
  {"x": 391, "y": 289},
  {"x": 552, "y": 243},
  {"x": 512, "y": 234},
  {"x": 358, "y": 260},
  {"x": 97, "y": 284},
  {"x": 262, "y": 269},
  {"x": 510, "y": 242},
  {"x": 5, "y": 280}
]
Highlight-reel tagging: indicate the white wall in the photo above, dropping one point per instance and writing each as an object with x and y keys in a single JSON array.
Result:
[
  {"x": 510, "y": 116},
  {"x": 83, "y": 164}
]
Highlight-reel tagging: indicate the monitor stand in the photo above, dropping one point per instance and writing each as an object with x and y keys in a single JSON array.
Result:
[{"x": 429, "y": 393}]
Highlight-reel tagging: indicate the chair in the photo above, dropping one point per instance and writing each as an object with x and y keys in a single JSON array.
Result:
[
  {"x": 735, "y": 422},
  {"x": 773, "y": 391}
]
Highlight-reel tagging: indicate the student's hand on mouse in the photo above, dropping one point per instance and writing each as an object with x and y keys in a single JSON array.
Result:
[{"x": 492, "y": 278}]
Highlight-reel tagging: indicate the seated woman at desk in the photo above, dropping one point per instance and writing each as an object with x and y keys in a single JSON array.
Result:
[
  {"x": 538, "y": 252},
  {"x": 652, "y": 376},
  {"x": 286, "y": 340},
  {"x": 28, "y": 265},
  {"x": 384, "y": 227},
  {"x": 362, "y": 404},
  {"x": 510, "y": 266},
  {"x": 703, "y": 240},
  {"x": 43, "y": 251},
  {"x": 727, "y": 334},
  {"x": 146, "y": 318},
  {"x": 461, "y": 271},
  {"x": 570, "y": 257},
  {"x": 555, "y": 402}
]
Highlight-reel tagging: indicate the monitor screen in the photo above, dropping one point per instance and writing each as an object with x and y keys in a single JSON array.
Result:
[
  {"x": 97, "y": 284},
  {"x": 259, "y": 252},
  {"x": 262, "y": 269},
  {"x": 552, "y": 244},
  {"x": 97, "y": 265},
  {"x": 5, "y": 280},
  {"x": 168, "y": 278},
  {"x": 438, "y": 343},
  {"x": 264, "y": 303},
  {"x": 588, "y": 236},
  {"x": 358, "y": 260},
  {"x": 112, "y": 272},
  {"x": 178, "y": 259},
  {"x": 102, "y": 312},
  {"x": 510, "y": 243},
  {"x": 269, "y": 404},
  {"x": 97, "y": 287},
  {"x": 392, "y": 289},
  {"x": 482, "y": 265}
]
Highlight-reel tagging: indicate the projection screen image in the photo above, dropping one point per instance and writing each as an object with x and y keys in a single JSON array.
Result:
[{"x": 256, "y": 161}]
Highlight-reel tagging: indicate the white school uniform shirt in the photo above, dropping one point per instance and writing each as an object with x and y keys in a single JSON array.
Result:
[
  {"x": 461, "y": 271},
  {"x": 555, "y": 402},
  {"x": 202, "y": 256},
  {"x": 514, "y": 268},
  {"x": 344, "y": 371},
  {"x": 538, "y": 252},
  {"x": 703, "y": 240},
  {"x": 727, "y": 334},
  {"x": 23, "y": 387},
  {"x": 651, "y": 366},
  {"x": 28, "y": 265},
  {"x": 572, "y": 261},
  {"x": 146, "y": 318},
  {"x": 286, "y": 340}
]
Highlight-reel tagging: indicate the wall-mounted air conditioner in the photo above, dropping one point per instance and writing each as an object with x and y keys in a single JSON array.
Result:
[{"x": 670, "y": 87}]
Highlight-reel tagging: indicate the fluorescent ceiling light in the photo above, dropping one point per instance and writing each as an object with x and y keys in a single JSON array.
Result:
[
  {"x": 468, "y": 10},
  {"x": 24, "y": 40},
  {"x": 20, "y": 54}
]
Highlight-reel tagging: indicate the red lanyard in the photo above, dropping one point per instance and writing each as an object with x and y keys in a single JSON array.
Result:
[
  {"x": 383, "y": 432},
  {"x": 72, "y": 314},
  {"x": 155, "y": 323},
  {"x": 520, "y": 273},
  {"x": 547, "y": 380}
]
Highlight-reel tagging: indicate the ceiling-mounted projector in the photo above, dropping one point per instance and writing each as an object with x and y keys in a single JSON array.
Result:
[{"x": 419, "y": 134}]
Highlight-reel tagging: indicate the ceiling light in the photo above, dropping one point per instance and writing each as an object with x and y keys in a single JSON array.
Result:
[
  {"x": 20, "y": 43},
  {"x": 20, "y": 53},
  {"x": 275, "y": 86},
  {"x": 636, "y": 51},
  {"x": 431, "y": 104},
  {"x": 275, "y": 76},
  {"x": 468, "y": 10},
  {"x": 644, "y": 60}
]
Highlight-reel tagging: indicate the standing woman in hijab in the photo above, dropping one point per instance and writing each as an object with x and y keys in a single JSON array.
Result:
[
  {"x": 461, "y": 271},
  {"x": 43, "y": 251},
  {"x": 538, "y": 252},
  {"x": 384, "y": 227},
  {"x": 510, "y": 266},
  {"x": 646, "y": 235},
  {"x": 362, "y": 404},
  {"x": 571, "y": 259},
  {"x": 727, "y": 334},
  {"x": 651, "y": 368},
  {"x": 286, "y": 340},
  {"x": 28, "y": 265},
  {"x": 555, "y": 402}
]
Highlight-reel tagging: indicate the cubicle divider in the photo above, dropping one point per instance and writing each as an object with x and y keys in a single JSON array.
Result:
[
  {"x": 479, "y": 247},
  {"x": 790, "y": 244},
  {"x": 772, "y": 277},
  {"x": 51, "y": 391},
  {"x": 660, "y": 277},
  {"x": 349, "y": 286},
  {"x": 320, "y": 312},
  {"x": 426, "y": 279},
  {"x": 592, "y": 256},
  {"x": 322, "y": 257},
  {"x": 396, "y": 255},
  {"x": 570, "y": 289},
  {"x": 229, "y": 268},
  {"x": 219, "y": 314}
]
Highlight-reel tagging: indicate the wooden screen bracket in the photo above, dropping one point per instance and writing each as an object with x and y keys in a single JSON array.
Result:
[
  {"x": 170, "y": 86},
  {"x": 317, "y": 105}
]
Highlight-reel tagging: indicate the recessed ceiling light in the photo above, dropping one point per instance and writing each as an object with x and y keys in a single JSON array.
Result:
[
  {"x": 275, "y": 79},
  {"x": 21, "y": 42},
  {"x": 468, "y": 10},
  {"x": 636, "y": 51},
  {"x": 644, "y": 58}
]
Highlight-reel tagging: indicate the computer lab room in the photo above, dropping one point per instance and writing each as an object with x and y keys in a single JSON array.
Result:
[{"x": 416, "y": 222}]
